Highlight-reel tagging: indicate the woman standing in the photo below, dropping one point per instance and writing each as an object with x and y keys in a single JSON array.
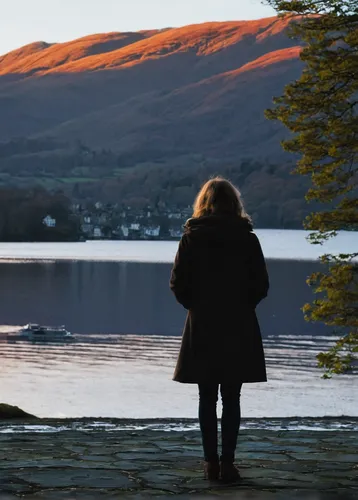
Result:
[{"x": 220, "y": 276}]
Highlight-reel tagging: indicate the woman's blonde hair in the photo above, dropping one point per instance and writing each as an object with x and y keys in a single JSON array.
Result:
[{"x": 219, "y": 196}]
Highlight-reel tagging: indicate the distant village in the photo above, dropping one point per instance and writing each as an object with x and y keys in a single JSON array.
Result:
[{"x": 116, "y": 222}]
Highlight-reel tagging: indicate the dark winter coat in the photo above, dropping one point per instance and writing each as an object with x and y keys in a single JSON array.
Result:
[{"x": 220, "y": 276}]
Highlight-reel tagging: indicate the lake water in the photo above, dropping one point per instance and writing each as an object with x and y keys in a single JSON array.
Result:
[
  {"x": 114, "y": 297},
  {"x": 130, "y": 377},
  {"x": 276, "y": 244}
]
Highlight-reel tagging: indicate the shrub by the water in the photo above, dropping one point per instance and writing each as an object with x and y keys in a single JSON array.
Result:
[{"x": 8, "y": 412}]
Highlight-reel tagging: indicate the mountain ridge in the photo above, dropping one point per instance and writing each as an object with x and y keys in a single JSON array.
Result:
[
  {"x": 124, "y": 48},
  {"x": 138, "y": 115}
]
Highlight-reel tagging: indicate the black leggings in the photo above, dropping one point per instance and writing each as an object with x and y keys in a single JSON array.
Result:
[{"x": 230, "y": 420}]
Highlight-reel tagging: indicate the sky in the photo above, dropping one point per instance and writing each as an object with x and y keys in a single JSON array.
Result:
[{"x": 27, "y": 21}]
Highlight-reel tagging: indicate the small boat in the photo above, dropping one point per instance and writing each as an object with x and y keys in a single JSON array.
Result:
[{"x": 37, "y": 332}]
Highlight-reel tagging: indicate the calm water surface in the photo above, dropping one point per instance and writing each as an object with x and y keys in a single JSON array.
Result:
[
  {"x": 129, "y": 376},
  {"x": 276, "y": 244}
]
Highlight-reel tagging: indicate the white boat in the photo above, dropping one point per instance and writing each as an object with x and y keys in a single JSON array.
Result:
[{"x": 34, "y": 331}]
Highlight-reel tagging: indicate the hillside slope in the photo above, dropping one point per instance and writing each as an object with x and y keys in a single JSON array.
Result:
[
  {"x": 146, "y": 78},
  {"x": 101, "y": 107},
  {"x": 41, "y": 57}
]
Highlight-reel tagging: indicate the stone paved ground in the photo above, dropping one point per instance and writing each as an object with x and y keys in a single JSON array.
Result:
[{"x": 131, "y": 464}]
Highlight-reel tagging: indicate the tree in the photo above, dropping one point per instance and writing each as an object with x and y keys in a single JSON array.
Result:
[
  {"x": 321, "y": 110},
  {"x": 22, "y": 212}
]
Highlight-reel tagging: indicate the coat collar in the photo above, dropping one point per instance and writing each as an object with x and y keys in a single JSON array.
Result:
[{"x": 220, "y": 222}]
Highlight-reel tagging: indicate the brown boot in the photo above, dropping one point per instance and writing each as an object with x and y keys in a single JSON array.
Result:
[
  {"x": 212, "y": 471},
  {"x": 229, "y": 473}
]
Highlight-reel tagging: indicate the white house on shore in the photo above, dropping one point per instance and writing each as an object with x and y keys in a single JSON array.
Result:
[
  {"x": 175, "y": 233},
  {"x": 152, "y": 232},
  {"x": 49, "y": 221},
  {"x": 97, "y": 232},
  {"x": 125, "y": 230}
]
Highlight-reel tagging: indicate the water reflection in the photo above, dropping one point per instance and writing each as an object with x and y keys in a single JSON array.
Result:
[
  {"x": 129, "y": 376},
  {"x": 134, "y": 298},
  {"x": 287, "y": 351}
]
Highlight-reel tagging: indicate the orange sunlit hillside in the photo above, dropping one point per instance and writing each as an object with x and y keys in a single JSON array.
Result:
[
  {"x": 41, "y": 57},
  {"x": 158, "y": 95},
  {"x": 11, "y": 59},
  {"x": 104, "y": 51}
]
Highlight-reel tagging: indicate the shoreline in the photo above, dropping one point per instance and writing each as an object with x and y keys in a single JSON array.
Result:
[
  {"x": 124, "y": 260},
  {"x": 342, "y": 423}
]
